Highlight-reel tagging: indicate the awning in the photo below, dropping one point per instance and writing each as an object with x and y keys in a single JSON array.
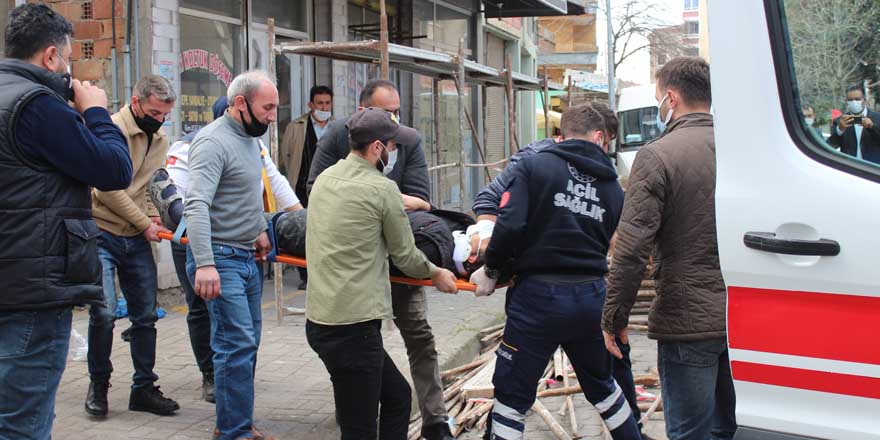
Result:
[
  {"x": 420, "y": 61},
  {"x": 532, "y": 8}
]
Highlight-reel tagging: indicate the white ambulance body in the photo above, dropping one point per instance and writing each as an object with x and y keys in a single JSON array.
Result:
[{"x": 799, "y": 238}]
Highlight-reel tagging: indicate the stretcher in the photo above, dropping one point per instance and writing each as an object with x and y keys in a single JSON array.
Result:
[{"x": 273, "y": 257}]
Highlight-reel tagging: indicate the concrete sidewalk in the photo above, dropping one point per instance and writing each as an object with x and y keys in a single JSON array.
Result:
[{"x": 294, "y": 394}]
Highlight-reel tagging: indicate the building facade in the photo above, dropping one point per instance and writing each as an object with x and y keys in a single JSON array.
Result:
[{"x": 200, "y": 45}]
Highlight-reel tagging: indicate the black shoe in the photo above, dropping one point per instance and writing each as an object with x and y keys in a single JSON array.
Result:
[
  {"x": 208, "y": 387},
  {"x": 151, "y": 400},
  {"x": 96, "y": 399},
  {"x": 437, "y": 431},
  {"x": 126, "y": 334}
]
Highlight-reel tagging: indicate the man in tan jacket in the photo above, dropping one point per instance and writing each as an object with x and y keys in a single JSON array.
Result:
[{"x": 128, "y": 223}]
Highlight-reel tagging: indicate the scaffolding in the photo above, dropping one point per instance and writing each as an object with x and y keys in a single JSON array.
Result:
[{"x": 437, "y": 65}]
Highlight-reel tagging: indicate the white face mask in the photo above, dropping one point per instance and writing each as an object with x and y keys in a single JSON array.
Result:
[
  {"x": 809, "y": 121},
  {"x": 392, "y": 159},
  {"x": 321, "y": 116},
  {"x": 854, "y": 106}
]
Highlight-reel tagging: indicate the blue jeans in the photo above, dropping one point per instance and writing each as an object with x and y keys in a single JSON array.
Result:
[
  {"x": 236, "y": 323},
  {"x": 699, "y": 402},
  {"x": 33, "y": 353},
  {"x": 131, "y": 258},
  {"x": 540, "y": 317}
]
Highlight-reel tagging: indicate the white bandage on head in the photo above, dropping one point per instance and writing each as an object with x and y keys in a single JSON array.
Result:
[
  {"x": 483, "y": 229},
  {"x": 462, "y": 250}
]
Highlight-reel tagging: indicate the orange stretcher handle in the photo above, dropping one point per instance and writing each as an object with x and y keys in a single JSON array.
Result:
[{"x": 461, "y": 284}]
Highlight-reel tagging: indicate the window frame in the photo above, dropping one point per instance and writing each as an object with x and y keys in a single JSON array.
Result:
[
  {"x": 786, "y": 81},
  {"x": 691, "y": 5}
]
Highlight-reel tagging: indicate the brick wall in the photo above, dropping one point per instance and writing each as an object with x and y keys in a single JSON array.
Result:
[{"x": 93, "y": 24}]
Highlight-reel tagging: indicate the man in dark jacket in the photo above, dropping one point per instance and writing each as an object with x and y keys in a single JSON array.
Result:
[
  {"x": 486, "y": 209},
  {"x": 670, "y": 209},
  {"x": 50, "y": 153},
  {"x": 407, "y": 167},
  {"x": 857, "y": 132},
  {"x": 558, "y": 213}
]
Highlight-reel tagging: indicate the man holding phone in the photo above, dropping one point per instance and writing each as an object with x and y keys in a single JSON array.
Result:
[{"x": 857, "y": 132}]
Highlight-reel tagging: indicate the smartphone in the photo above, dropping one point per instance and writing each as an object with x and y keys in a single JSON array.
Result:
[{"x": 856, "y": 118}]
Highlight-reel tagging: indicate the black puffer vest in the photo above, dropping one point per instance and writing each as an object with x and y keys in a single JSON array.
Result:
[{"x": 48, "y": 239}]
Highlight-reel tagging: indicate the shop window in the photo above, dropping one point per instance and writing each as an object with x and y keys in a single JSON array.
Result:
[
  {"x": 288, "y": 14},
  {"x": 229, "y": 8},
  {"x": 211, "y": 56}
]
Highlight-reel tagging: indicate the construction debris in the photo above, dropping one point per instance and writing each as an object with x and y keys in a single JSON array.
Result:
[{"x": 469, "y": 392}]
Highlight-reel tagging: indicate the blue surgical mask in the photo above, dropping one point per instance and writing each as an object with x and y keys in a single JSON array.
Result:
[{"x": 661, "y": 123}]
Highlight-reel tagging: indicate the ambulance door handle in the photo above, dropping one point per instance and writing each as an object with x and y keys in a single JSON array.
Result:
[{"x": 767, "y": 242}]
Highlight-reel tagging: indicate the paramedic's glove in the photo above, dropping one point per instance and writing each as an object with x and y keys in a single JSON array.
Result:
[
  {"x": 444, "y": 280},
  {"x": 485, "y": 285}
]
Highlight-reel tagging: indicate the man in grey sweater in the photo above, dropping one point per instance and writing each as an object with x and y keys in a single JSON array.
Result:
[{"x": 227, "y": 238}]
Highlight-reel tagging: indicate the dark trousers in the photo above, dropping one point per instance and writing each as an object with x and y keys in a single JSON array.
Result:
[
  {"x": 623, "y": 375},
  {"x": 541, "y": 316},
  {"x": 131, "y": 259},
  {"x": 364, "y": 377},
  {"x": 197, "y": 318}
]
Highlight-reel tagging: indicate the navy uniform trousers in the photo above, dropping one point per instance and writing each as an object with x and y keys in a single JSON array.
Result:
[{"x": 541, "y": 316}]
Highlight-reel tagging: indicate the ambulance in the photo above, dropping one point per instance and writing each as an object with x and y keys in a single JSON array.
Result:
[{"x": 799, "y": 237}]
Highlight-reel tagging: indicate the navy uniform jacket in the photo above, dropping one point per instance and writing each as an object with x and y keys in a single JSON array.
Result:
[{"x": 558, "y": 212}]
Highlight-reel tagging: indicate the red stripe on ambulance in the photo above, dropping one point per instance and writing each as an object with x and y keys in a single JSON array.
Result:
[
  {"x": 817, "y": 325},
  {"x": 836, "y": 383}
]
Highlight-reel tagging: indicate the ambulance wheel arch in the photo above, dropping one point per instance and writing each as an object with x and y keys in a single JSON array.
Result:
[{"x": 803, "y": 346}]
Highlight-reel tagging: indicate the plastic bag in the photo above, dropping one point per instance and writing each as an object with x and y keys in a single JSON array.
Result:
[
  {"x": 79, "y": 349},
  {"x": 121, "y": 308}
]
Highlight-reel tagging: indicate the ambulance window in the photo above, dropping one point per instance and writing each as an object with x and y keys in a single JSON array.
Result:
[{"x": 833, "y": 56}]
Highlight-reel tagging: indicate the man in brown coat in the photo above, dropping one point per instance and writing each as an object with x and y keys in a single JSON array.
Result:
[
  {"x": 300, "y": 144},
  {"x": 670, "y": 210}
]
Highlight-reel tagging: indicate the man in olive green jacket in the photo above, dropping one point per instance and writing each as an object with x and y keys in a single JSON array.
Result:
[{"x": 356, "y": 220}]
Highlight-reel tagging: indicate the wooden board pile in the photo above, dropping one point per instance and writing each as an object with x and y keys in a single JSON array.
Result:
[{"x": 468, "y": 392}]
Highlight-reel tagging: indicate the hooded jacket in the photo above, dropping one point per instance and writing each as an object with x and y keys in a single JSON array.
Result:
[
  {"x": 487, "y": 200},
  {"x": 558, "y": 212}
]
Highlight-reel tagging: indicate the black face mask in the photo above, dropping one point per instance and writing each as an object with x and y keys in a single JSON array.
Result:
[
  {"x": 147, "y": 123},
  {"x": 255, "y": 128}
]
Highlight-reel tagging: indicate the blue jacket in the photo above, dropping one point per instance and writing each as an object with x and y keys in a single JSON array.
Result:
[{"x": 558, "y": 212}]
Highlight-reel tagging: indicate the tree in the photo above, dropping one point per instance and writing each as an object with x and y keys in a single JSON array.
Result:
[
  {"x": 633, "y": 28},
  {"x": 833, "y": 44}
]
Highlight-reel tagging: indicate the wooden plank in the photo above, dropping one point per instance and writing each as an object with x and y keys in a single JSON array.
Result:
[{"x": 480, "y": 386}]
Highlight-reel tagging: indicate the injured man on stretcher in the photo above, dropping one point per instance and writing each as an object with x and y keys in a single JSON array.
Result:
[{"x": 448, "y": 239}]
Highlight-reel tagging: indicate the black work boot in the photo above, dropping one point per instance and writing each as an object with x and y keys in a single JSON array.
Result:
[
  {"x": 437, "y": 431},
  {"x": 96, "y": 399},
  {"x": 151, "y": 400},
  {"x": 208, "y": 387}
]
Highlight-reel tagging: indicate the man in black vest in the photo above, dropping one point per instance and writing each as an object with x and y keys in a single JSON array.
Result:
[{"x": 50, "y": 153}]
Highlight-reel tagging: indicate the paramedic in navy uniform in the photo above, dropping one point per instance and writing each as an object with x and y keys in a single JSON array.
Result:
[{"x": 558, "y": 213}]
